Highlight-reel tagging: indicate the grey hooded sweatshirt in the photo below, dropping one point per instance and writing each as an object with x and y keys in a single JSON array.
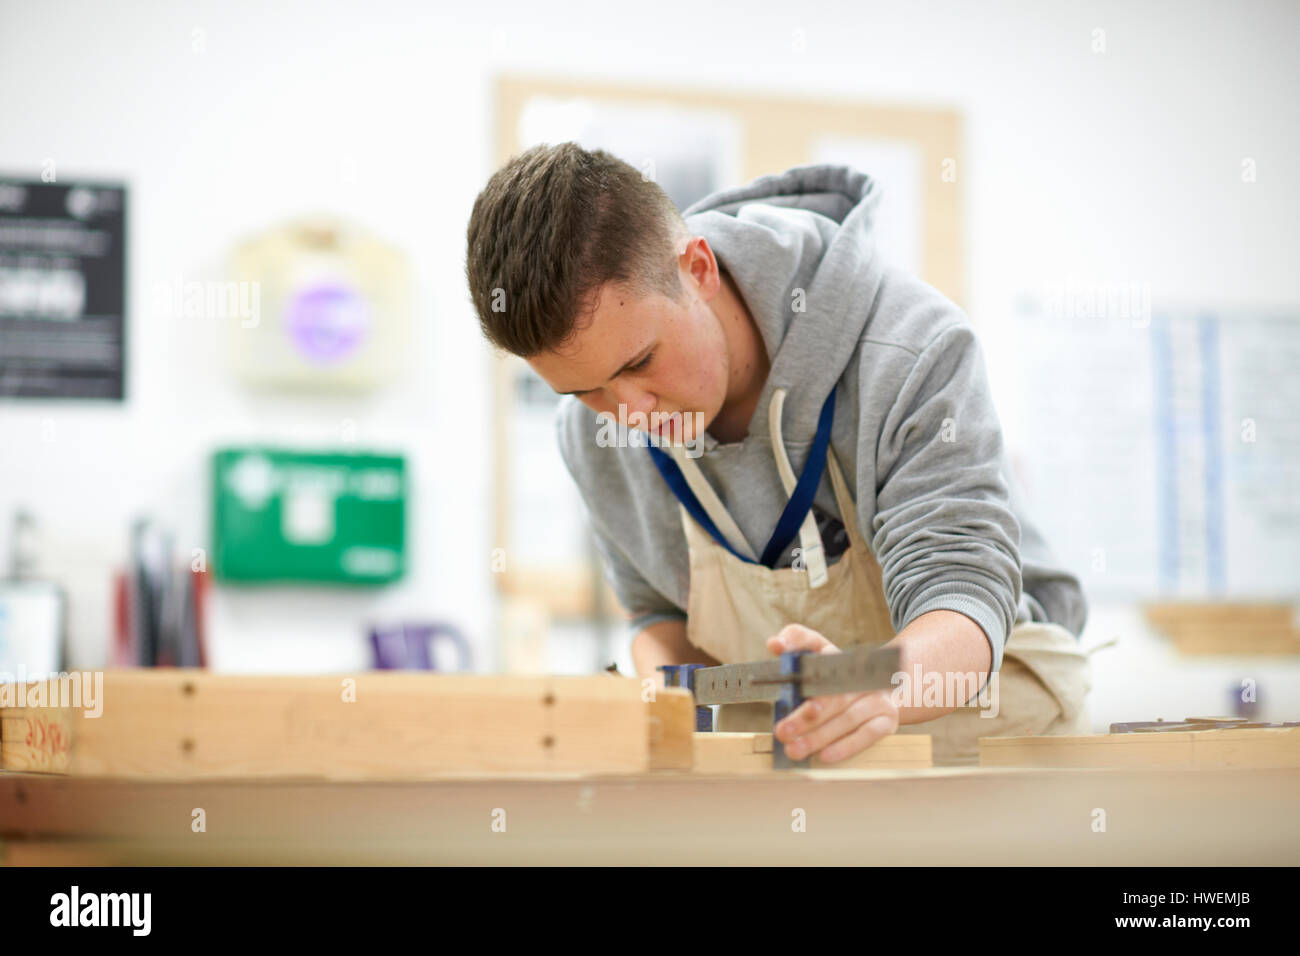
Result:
[{"x": 915, "y": 427}]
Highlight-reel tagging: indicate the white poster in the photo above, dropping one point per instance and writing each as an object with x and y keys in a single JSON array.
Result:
[{"x": 897, "y": 168}]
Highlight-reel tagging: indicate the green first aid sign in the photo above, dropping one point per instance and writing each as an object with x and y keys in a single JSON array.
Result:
[{"x": 307, "y": 516}]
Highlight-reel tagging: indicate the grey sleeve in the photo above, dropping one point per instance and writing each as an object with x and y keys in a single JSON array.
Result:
[
  {"x": 641, "y": 602},
  {"x": 944, "y": 532}
]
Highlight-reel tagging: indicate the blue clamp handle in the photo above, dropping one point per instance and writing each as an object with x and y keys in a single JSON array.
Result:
[{"x": 683, "y": 675}]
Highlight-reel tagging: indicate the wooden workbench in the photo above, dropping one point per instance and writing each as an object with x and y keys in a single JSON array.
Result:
[
  {"x": 417, "y": 768},
  {"x": 939, "y": 816}
]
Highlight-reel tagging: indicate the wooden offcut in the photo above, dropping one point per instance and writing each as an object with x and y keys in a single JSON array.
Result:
[
  {"x": 671, "y": 725},
  {"x": 752, "y": 753},
  {"x": 36, "y": 739},
  {"x": 182, "y": 724},
  {"x": 1254, "y": 748}
]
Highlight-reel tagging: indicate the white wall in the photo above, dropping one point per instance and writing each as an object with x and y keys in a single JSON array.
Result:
[{"x": 1106, "y": 167}]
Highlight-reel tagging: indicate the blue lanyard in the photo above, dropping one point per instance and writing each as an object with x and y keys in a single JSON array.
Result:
[{"x": 796, "y": 508}]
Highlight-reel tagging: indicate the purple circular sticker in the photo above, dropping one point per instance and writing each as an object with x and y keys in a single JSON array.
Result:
[{"x": 327, "y": 322}]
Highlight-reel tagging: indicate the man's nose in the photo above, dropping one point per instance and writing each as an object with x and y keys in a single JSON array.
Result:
[{"x": 636, "y": 399}]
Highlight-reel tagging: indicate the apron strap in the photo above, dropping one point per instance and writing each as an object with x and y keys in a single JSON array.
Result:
[
  {"x": 682, "y": 489},
  {"x": 844, "y": 498},
  {"x": 796, "y": 509},
  {"x": 711, "y": 503},
  {"x": 801, "y": 499},
  {"x": 810, "y": 538}
]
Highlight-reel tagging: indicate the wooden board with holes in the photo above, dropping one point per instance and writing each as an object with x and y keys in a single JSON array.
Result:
[
  {"x": 1256, "y": 748},
  {"x": 752, "y": 753},
  {"x": 180, "y": 724}
]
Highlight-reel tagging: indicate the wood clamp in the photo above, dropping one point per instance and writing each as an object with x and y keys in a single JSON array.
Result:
[{"x": 787, "y": 681}]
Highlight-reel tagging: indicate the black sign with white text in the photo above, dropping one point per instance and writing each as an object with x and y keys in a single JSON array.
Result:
[{"x": 62, "y": 289}]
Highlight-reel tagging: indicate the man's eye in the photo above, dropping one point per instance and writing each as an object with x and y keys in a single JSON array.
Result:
[{"x": 643, "y": 363}]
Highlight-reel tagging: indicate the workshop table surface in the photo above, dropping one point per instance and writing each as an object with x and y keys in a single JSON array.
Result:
[{"x": 940, "y": 816}]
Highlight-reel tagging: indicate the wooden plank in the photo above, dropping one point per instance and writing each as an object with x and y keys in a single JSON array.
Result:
[
  {"x": 1226, "y": 614},
  {"x": 752, "y": 753},
  {"x": 63, "y": 853},
  {"x": 372, "y": 726},
  {"x": 1212, "y": 627},
  {"x": 671, "y": 722},
  {"x": 1198, "y": 640},
  {"x": 1257, "y": 748}
]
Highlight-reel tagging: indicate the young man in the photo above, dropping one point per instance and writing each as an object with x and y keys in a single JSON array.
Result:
[{"x": 793, "y": 364}]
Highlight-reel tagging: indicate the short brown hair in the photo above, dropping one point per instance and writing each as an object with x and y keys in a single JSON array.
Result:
[{"x": 550, "y": 228}]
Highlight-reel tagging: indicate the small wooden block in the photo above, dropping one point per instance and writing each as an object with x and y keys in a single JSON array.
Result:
[
  {"x": 36, "y": 739},
  {"x": 1257, "y": 748},
  {"x": 671, "y": 720},
  {"x": 752, "y": 753}
]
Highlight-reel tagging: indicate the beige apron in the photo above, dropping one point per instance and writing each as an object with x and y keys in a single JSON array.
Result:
[{"x": 735, "y": 606}]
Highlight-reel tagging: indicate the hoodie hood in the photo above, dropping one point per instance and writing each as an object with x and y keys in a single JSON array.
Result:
[{"x": 800, "y": 247}]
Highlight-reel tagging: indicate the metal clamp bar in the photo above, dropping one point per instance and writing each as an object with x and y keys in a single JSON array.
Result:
[{"x": 857, "y": 669}]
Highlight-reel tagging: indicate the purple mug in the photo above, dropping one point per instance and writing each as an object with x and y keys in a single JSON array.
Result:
[{"x": 410, "y": 646}]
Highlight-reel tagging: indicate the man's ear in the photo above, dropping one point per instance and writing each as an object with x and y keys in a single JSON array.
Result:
[{"x": 702, "y": 266}]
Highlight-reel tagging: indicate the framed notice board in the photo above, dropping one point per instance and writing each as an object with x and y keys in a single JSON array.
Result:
[
  {"x": 693, "y": 142},
  {"x": 62, "y": 289}
]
